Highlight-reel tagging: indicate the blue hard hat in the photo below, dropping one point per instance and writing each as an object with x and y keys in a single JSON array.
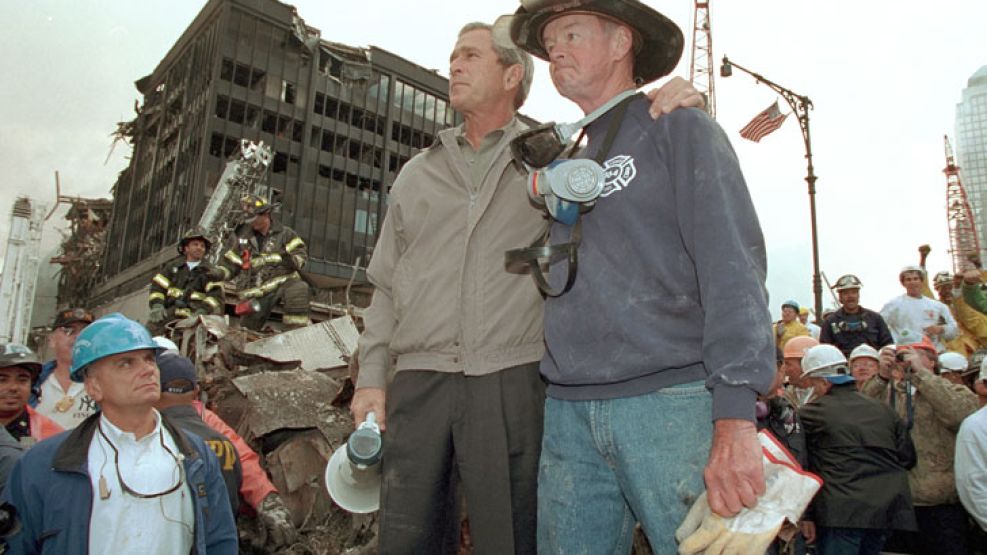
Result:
[
  {"x": 110, "y": 335},
  {"x": 840, "y": 380},
  {"x": 792, "y": 304}
]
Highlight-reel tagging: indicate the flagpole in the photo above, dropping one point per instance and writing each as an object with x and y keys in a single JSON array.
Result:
[{"x": 800, "y": 105}]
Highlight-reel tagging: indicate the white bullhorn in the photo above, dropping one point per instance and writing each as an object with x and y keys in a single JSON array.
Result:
[{"x": 353, "y": 473}]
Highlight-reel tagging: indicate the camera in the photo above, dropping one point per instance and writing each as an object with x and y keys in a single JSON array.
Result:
[{"x": 900, "y": 356}]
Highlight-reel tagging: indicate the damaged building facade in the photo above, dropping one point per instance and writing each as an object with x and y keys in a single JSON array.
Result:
[{"x": 341, "y": 121}]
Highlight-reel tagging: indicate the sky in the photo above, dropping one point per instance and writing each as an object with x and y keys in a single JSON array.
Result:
[{"x": 884, "y": 78}]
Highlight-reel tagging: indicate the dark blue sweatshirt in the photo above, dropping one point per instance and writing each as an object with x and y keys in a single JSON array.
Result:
[{"x": 670, "y": 287}]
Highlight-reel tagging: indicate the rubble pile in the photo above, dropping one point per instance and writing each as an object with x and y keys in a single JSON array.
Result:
[
  {"x": 81, "y": 251},
  {"x": 286, "y": 394}
]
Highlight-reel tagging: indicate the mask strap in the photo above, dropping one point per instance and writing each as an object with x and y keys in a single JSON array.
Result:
[
  {"x": 566, "y": 130},
  {"x": 540, "y": 250}
]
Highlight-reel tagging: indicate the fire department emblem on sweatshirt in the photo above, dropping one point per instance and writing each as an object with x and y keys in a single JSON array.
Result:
[{"x": 619, "y": 171}]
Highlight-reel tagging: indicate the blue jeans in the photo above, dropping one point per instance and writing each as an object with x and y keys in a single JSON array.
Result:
[
  {"x": 608, "y": 464},
  {"x": 849, "y": 541}
]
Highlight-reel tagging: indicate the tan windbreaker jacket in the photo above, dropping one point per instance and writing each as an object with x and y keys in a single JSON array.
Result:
[{"x": 443, "y": 299}]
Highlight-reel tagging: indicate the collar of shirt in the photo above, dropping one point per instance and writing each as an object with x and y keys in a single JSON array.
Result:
[
  {"x": 192, "y": 264},
  {"x": 478, "y": 160},
  {"x": 157, "y": 525}
]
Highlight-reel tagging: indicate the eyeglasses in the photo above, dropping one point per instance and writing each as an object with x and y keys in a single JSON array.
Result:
[{"x": 123, "y": 485}]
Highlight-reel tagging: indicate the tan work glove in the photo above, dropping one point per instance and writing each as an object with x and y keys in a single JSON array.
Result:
[
  {"x": 277, "y": 521},
  {"x": 788, "y": 491}
]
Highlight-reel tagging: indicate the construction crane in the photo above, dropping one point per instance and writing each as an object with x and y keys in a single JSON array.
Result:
[
  {"x": 20, "y": 270},
  {"x": 964, "y": 244},
  {"x": 701, "y": 68}
]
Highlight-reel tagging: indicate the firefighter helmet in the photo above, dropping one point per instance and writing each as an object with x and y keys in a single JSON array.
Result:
[
  {"x": 848, "y": 281},
  {"x": 658, "y": 41},
  {"x": 194, "y": 233},
  {"x": 15, "y": 354},
  {"x": 825, "y": 361},
  {"x": 254, "y": 205}
]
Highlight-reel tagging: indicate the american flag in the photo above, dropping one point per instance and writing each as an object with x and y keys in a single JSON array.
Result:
[{"x": 764, "y": 123}]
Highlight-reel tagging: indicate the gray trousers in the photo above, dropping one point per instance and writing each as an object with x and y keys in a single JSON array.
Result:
[{"x": 482, "y": 432}]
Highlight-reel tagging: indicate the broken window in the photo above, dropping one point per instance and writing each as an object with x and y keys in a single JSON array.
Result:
[
  {"x": 287, "y": 92},
  {"x": 251, "y": 118},
  {"x": 216, "y": 145},
  {"x": 257, "y": 79},
  {"x": 222, "y": 106},
  {"x": 283, "y": 124},
  {"x": 238, "y": 110},
  {"x": 226, "y": 70},
  {"x": 241, "y": 75},
  {"x": 327, "y": 141},
  {"x": 332, "y": 108},
  {"x": 320, "y": 103},
  {"x": 269, "y": 123},
  {"x": 280, "y": 163}
]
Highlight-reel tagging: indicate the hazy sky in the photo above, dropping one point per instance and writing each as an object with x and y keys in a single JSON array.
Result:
[{"x": 884, "y": 76}]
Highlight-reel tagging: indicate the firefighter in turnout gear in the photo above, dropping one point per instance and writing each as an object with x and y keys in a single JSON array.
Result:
[
  {"x": 272, "y": 254},
  {"x": 187, "y": 289}
]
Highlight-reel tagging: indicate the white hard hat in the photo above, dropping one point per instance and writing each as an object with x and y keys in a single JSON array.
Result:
[
  {"x": 983, "y": 369},
  {"x": 952, "y": 362},
  {"x": 911, "y": 268},
  {"x": 165, "y": 343},
  {"x": 864, "y": 351},
  {"x": 942, "y": 278},
  {"x": 824, "y": 361},
  {"x": 848, "y": 281}
]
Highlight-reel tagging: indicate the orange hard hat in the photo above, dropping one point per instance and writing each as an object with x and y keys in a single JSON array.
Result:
[
  {"x": 797, "y": 346},
  {"x": 925, "y": 344}
]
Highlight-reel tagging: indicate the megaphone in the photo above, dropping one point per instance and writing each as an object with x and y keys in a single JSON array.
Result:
[{"x": 353, "y": 473}]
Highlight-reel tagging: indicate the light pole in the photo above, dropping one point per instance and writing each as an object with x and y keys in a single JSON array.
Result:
[{"x": 800, "y": 105}]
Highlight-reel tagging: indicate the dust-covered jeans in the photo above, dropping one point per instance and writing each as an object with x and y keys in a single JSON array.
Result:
[{"x": 606, "y": 465}]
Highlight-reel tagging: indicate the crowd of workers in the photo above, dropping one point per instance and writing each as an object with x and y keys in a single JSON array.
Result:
[
  {"x": 885, "y": 407},
  {"x": 561, "y": 415}
]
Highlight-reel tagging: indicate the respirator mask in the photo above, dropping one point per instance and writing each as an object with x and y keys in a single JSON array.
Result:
[{"x": 563, "y": 186}]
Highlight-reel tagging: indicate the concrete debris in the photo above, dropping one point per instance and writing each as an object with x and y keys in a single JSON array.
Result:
[
  {"x": 294, "y": 400},
  {"x": 281, "y": 404},
  {"x": 81, "y": 252},
  {"x": 321, "y": 346}
]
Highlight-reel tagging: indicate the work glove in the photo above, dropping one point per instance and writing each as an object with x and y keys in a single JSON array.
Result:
[
  {"x": 789, "y": 489},
  {"x": 277, "y": 522},
  {"x": 157, "y": 315}
]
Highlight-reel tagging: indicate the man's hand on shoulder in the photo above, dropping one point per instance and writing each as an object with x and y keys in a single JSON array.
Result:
[
  {"x": 676, "y": 93},
  {"x": 735, "y": 472},
  {"x": 366, "y": 399}
]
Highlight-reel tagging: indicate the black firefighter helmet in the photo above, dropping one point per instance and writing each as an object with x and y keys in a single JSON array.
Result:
[
  {"x": 194, "y": 233},
  {"x": 658, "y": 41},
  {"x": 15, "y": 354}
]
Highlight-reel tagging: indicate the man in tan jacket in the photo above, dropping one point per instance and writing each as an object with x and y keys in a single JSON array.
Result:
[
  {"x": 464, "y": 336},
  {"x": 933, "y": 408}
]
